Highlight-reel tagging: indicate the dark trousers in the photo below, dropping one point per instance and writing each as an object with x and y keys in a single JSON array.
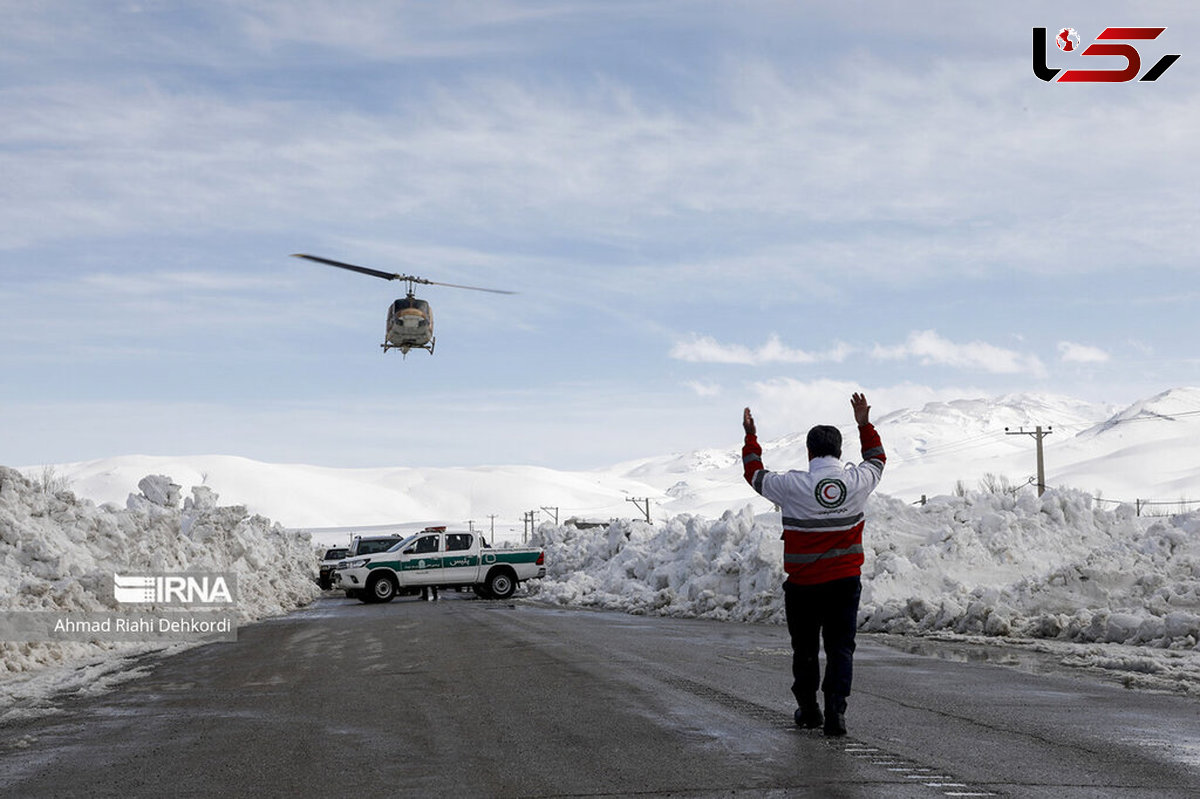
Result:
[{"x": 826, "y": 611}]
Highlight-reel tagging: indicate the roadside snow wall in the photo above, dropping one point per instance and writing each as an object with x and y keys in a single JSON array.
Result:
[
  {"x": 59, "y": 553},
  {"x": 1055, "y": 567}
]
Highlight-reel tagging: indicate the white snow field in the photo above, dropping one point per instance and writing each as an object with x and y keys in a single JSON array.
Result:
[{"x": 1084, "y": 571}]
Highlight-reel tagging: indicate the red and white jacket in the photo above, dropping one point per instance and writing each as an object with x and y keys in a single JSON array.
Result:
[{"x": 822, "y": 508}]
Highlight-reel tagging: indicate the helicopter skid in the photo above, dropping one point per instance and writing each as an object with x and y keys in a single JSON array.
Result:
[{"x": 404, "y": 348}]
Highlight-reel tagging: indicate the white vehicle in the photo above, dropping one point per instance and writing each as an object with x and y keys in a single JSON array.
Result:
[
  {"x": 437, "y": 558},
  {"x": 370, "y": 544},
  {"x": 329, "y": 562}
]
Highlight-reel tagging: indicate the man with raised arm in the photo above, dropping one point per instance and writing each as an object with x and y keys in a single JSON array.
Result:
[{"x": 823, "y": 523}]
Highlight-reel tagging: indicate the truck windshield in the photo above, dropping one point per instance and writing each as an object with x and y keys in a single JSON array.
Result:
[
  {"x": 399, "y": 545},
  {"x": 371, "y": 547}
]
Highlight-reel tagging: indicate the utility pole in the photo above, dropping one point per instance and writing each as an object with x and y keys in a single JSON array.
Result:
[
  {"x": 1038, "y": 435},
  {"x": 552, "y": 512},
  {"x": 638, "y": 501},
  {"x": 530, "y": 524}
]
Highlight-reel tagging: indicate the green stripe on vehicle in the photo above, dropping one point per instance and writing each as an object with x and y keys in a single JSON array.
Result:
[{"x": 516, "y": 557}]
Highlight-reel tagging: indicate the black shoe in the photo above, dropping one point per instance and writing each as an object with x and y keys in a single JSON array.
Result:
[
  {"x": 835, "y": 724},
  {"x": 809, "y": 717},
  {"x": 835, "y": 715}
]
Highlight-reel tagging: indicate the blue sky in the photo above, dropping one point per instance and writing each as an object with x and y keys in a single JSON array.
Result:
[{"x": 701, "y": 205}]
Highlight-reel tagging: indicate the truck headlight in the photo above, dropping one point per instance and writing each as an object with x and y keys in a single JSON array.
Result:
[{"x": 354, "y": 564}]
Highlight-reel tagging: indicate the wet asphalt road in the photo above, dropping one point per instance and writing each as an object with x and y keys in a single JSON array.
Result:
[{"x": 466, "y": 697}]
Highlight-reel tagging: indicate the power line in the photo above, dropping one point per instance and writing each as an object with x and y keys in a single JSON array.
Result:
[
  {"x": 1151, "y": 417},
  {"x": 1143, "y": 503}
]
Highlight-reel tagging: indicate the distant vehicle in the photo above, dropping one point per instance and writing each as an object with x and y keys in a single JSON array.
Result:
[
  {"x": 370, "y": 544},
  {"x": 329, "y": 562},
  {"x": 409, "y": 320},
  {"x": 442, "y": 559}
]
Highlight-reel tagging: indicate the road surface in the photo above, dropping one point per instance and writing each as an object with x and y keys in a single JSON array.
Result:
[{"x": 465, "y": 697}]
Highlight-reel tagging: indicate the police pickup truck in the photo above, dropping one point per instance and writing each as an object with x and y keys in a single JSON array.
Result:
[{"x": 435, "y": 557}]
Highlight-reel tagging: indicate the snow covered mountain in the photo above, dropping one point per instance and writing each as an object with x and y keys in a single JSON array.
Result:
[{"x": 1146, "y": 451}]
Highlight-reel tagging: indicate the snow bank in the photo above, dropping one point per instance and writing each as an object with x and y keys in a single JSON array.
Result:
[
  {"x": 59, "y": 553},
  {"x": 690, "y": 566},
  {"x": 1055, "y": 567}
]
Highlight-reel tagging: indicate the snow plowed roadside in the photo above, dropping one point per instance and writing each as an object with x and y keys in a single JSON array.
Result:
[
  {"x": 1055, "y": 568},
  {"x": 59, "y": 553}
]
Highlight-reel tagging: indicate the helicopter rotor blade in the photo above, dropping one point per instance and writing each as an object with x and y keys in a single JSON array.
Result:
[
  {"x": 393, "y": 275},
  {"x": 457, "y": 286},
  {"x": 364, "y": 270}
]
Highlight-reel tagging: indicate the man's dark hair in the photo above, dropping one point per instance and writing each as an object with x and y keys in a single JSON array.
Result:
[{"x": 824, "y": 440}]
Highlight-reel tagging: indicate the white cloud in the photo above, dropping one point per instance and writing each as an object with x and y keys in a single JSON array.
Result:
[
  {"x": 927, "y": 346},
  {"x": 702, "y": 389},
  {"x": 932, "y": 349},
  {"x": 705, "y": 349},
  {"x": 1070, "y": 352},
  {"x": 786, "y": 405}
]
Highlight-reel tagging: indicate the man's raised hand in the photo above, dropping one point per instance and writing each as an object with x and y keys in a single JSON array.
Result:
[
  {"x": 862, "y": 411},
  {"x": 748, "y": 423}
]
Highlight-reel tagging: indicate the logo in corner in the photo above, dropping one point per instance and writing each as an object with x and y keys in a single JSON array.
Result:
[
  {"x": 1113, "y": 42},
  {"x": 173, "y": 589},
  {"x": 830, "y": 492}
]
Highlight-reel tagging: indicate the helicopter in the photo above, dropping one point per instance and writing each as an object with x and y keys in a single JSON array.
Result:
[{"x": 409, "y": 319}]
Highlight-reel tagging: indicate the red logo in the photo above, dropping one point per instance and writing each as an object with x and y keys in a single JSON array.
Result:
[
  {"x": 1068, "y": 42},
  {"x": 830, "y": 492}
]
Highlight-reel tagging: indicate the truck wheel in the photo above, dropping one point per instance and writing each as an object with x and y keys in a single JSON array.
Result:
[
  {"x": 501, "y": 584},
  {"x": 380, "y": 588}
]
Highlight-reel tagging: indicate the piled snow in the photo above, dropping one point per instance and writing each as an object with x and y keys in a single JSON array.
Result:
[
  {"x": 1057, "y": 567},
  {"x": 59, "y": 553},
  {"x": 728, "y": 569}
]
